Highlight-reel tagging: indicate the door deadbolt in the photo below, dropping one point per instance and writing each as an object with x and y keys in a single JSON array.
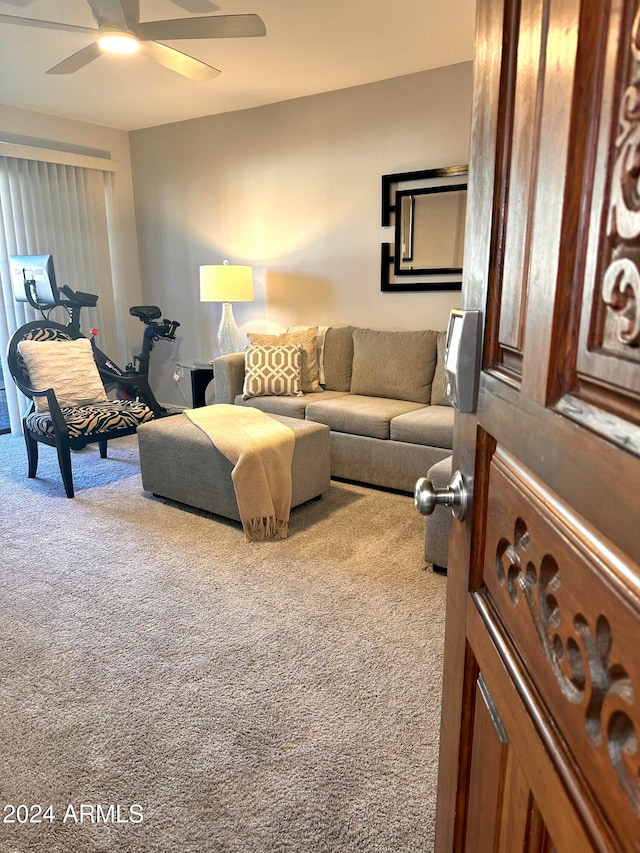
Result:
[{"x": 455, "y": 496}]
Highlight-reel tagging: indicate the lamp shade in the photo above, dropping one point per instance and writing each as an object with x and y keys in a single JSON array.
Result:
[{"x": 226, "y": 283}]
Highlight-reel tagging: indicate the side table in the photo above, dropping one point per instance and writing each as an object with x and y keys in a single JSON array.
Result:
[{"x": 201, "y": 375}]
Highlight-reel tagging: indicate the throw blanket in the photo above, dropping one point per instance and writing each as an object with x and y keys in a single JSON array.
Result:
[{"x": 261, "y": 450}]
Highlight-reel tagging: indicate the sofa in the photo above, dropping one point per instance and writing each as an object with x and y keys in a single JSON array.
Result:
[{"x": 380, "y": 392}]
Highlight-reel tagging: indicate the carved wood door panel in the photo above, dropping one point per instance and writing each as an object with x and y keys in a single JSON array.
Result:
[{"x": 541, "y": 710}]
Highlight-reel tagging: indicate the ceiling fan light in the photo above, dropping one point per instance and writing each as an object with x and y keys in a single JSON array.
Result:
[{"x": 117, "y": 42}]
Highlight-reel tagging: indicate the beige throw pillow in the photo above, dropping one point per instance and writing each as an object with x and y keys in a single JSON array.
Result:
[
  {"x": 272, "y": 371},
  {"x": 438, "y": 396},
  {"x": 66, "y": 366},
  {"x": 320, "y": 338},
  {"x": 307, "y": 340}
]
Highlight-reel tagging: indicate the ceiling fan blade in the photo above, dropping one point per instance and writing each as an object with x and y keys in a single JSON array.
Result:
[
  {"x": 131, "y": 9},
  {"x": 47, "y": 25},
  {"x": 108, "y": 13},
  {"x": 77, "y": 60},
  {"x": 196, "y": 7},
  {"x": 177, "y": 61},
  {"x": 206, "y": 27}
]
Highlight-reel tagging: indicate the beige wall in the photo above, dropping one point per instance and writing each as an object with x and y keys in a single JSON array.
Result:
[
  {"x": 294, "y": 189},
  {"x": 291, "y": 188},
  {"x": 45, "y": 131}
]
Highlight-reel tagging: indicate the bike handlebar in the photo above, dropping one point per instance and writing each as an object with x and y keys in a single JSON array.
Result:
[
  {"x": 148, "y": 314},
  {"x": 78, "y": 298}
]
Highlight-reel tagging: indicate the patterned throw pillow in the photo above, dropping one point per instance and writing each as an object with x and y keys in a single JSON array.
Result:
[
  {"x": 307, "y": 340},
  {"x": 272, "y": 371},
  {"x": 66, "y": 366}
]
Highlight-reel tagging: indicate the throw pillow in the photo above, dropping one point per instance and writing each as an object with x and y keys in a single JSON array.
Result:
[
  {"x": 320, "y": 338},
  {"x": 438, "y": 397},
  {"x": 397, "y": 365},
  {"x": 307, "y": 340},
  {"x": 272, "y": 371},
  {"x": 66, "y": 366}
]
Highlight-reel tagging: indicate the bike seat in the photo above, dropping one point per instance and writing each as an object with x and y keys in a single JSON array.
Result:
[{"x": 146, "y": 313}]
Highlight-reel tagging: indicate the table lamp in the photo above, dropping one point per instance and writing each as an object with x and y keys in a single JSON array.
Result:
[{"x": 227, "y": 283}]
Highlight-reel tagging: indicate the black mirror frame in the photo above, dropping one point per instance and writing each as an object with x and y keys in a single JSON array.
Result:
[{"x": 392, "y": 197}]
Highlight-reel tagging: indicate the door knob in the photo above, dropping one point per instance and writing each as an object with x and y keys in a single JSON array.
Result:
[{"x": 455, "y": 496}]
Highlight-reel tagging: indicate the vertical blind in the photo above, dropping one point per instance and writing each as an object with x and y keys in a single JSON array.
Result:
[{"x": 48, "y": 205}]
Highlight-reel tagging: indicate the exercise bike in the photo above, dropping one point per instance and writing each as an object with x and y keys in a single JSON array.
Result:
[
  {"x": 156, "y": 328},
  {"x": 75, "y": 300}
]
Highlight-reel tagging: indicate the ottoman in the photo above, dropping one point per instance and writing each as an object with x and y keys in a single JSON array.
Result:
[{"x": 178, "y": 461}]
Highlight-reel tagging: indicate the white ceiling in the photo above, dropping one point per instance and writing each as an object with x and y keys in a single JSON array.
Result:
[{"x": 311, "y": 46}]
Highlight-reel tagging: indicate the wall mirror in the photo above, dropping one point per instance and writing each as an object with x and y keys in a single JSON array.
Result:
[{"x": 427, "y": 210}]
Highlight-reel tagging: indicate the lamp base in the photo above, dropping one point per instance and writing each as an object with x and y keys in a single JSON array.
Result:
[{"x": 228, "y": 336}]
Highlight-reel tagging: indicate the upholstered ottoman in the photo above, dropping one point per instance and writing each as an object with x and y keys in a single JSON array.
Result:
[{"x": 178, "y": 461}]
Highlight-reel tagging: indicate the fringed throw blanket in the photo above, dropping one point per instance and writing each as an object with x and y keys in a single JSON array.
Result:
[{"x": 261, "y": 450}]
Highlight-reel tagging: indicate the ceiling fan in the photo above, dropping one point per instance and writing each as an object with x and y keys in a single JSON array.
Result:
[{"x": 119, "y": 30}]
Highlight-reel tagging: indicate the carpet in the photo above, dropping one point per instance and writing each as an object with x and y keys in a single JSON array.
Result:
[{"x": 168, "y": 687}]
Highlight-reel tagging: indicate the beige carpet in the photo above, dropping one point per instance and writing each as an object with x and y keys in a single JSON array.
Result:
[{"x": 246, "y": 697}]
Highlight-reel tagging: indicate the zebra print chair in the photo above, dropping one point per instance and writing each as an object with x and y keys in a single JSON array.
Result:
[{"x": 72, "y": 427}]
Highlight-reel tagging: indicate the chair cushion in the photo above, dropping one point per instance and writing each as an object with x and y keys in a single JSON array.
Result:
[
  {"x": 95, "y": 419},
  {"x": 37, "y": 334},
  {"x": 272, "y": 371},
  {"x": 396, "y": 365},
  {"x": 66, "y": 366}
]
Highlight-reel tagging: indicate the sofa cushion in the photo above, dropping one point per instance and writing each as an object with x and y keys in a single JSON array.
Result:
[
  {"x": 307, "y": 340},
  {"x": 358, "y": 415},
  {"x": 272, "y": 370},
  {"x": 338, "y": 358},
  {"x": 438, "y": 397},
  {"x": 291, "y": 407},
  {"x": 430, "y": 425},
  {"x": 396, "y": 365}
]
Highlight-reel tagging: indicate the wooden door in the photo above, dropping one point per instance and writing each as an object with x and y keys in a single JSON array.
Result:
[{"x": 541, "y": 707}]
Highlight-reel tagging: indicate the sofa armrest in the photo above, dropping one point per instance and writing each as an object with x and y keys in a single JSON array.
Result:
[
  {"x": 437, "y": 525},
  {"x": 228, "y": 371}
]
